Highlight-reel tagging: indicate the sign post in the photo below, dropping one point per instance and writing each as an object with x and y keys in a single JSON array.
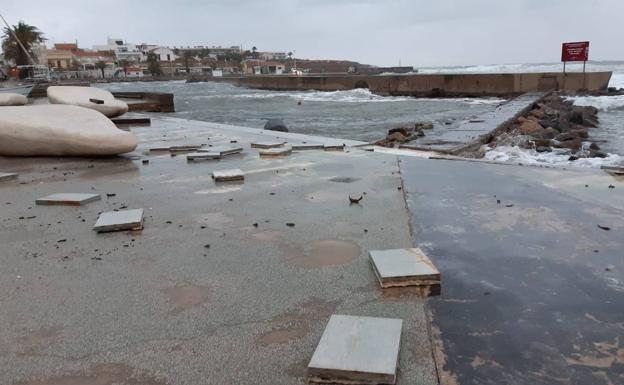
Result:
[{"x": 576, "y": 51}]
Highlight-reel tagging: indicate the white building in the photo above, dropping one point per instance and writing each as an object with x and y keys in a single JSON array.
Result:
[
  {"x": 122, "y": 49},
  {"x": 163, "y": 54}
]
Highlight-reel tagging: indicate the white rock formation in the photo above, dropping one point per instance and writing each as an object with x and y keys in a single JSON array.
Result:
[
  {"x": 83, "y": 96},
  {"x": 55, "y": 130},
  {"x": 9, "y": 99}
]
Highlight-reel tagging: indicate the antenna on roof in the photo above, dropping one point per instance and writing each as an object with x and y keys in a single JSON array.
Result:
[{"x": 18, "y": 40}]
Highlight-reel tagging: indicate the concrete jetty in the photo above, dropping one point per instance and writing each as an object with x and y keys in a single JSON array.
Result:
[
  {"x": 429, "y": 85},
  {"x": 235, "y": 282}
]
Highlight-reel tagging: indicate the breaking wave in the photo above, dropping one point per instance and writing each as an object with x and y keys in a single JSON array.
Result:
[
  {"x": 509, "y": 154},
  {"x": 603, "y": 103}
]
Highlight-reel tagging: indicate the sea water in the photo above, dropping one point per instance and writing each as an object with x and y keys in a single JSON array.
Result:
[{"x": 360, "y": 115}]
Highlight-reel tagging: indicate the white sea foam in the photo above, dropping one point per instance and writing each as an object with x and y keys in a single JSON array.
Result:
[
  {"x": 604, "y": 103},
  {"x": 555, "y": 158}
]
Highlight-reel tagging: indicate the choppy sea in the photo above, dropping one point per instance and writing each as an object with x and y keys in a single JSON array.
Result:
[{"x": 361, "y": 115}]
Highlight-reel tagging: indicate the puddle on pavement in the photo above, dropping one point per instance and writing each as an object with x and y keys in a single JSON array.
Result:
[
  {"x": 268, "y": 235},
  {"x": 187, "y": 297},
  {"x": 39, "y": 338},
  {"x": 344, "y": 179},
  {"x": 329, "y": 252},
  {"x": 101, "y": 374},
  {"x": 283, "y": 335}
]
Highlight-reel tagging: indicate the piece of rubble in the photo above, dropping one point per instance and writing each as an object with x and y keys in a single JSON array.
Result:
[
  {"x": 357, "y": 350},
  {"x": 223, "y": 150},
  {"x": 68, "y": 199},
  {"x": 274, "y": 152},
  {"x": 228, "y": 175},
  {"x": 334, "y": 147},
  {"x": 182, "y": 149},
  {"x": 119, "y": 221},
  {"x": 307, "y": 146},
  {"x": 4, "y": 176},
  {"x": 198, "y": 156},
  {"x": 404, "y": 267},
  {"x": 617, "y": 170},
  {"x": 267, "y": 144}
]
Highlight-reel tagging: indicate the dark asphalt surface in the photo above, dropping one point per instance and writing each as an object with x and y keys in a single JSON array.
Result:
[{"x": 532, "y": 288}]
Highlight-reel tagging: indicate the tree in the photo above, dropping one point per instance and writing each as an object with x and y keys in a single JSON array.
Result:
[
  {"x": 290, "y": 55},
  {"x": 124, "y": 64},
  {"x": 254, "y": 52},
  {"x": 153, "y": 64},
  {"x": 187, "y": 56},
  {"x": 101, "y": 65},
  {"x": 28, "y": 35}
]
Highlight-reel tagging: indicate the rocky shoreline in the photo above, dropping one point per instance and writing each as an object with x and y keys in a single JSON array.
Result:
[{"x": 553, "y": 123}]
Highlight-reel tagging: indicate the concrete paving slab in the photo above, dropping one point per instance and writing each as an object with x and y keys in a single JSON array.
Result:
[
  {"x": 334, "y": 147},
  {"x": 267, "y": 144},
  {"x": 228, "y": 175},
  {"x": 223, "y": 150},
  {"x": 404, "y": 267},
  {"x": 68, "y": 199},
  {"x": 199, "y": 156},
  {"x": 119, "y": 221},
  {"x": 275, "y": 152},
  {"x": 307, "y": 146},
  {"x": 357, "y": 350},
  {"x": 5, "y": 176}
]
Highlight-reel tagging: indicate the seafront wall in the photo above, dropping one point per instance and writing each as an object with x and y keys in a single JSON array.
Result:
[{"x": 434, "y": 85}]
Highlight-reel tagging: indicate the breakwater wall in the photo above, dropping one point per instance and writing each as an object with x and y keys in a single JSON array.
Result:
[{"x": 433, "y": 85}]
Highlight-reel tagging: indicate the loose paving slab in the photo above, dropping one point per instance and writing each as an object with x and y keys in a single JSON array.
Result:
[
  {"x": 404, "y": 267},
  {"x": 228, "y": 175},
  {"x": 199, "y": 156},
  {"x": 267, "y": 144},
  {"x": 68, "y": 199},
  {"x": 119, "y": 221},
  {"x": 275, "y": 152},
  {"x": 5, "y": 176},
  {"x": 334, "y": 147},
  {"x": 307, "y": 146},
  {"x": 357, "y": 350},
  {"x": 224, "y": 150}
]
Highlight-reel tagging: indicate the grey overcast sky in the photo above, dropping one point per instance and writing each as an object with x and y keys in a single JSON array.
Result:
[{"x": 381, "y": 32}]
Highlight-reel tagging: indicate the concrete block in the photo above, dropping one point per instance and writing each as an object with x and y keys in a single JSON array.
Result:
[
  {"x": 70, "y": 199},
  {"x": 223, "y": 150},
  {"x": 4, "y": 176},
  {"x": 228, "y": 175},
  {"x": 274, "y": 152},
  {"x": 357, "y": 350},
  {"x": 119, "y": 220},
  {"x": 404, "y": 267},
  {"x": 199, "y": 156},
  {"x": 307, "y": 146},
  {"x": 182, "y": 149},
  {"x": 334, "y": 147},
  {"x": 267, "y": 144}
]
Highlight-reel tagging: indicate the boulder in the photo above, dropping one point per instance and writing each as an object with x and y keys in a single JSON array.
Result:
[
  {"x": 538, "y": 113},
  {"x": 57, "y": 130},
  {"x": 275, "y": 125},
  {"x": 594, "y": 147},
  {"x": 423, "y": 126},
  {"x": 565, "y": 136},
  {"x": 543, "y": 149},
  {"x": 545, "y": 133},
  {"x": 581, "y": 133},
  {"x": 572, "y": 144},
  {"x": 89, "y": 97},
  {"x": 597, "y": 154},
  {"x": 9, "y": 99},
  {"x": 529, "y": 126},
  {"x": 402, "y": 130},
  {"x": 396, "y": 137}
]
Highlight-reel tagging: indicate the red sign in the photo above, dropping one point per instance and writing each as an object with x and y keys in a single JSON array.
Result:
[{"x": 578, "y": 51}]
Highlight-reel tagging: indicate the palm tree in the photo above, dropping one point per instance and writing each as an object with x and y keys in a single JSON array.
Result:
[
  {"x": 254, "y": 52},
  {"x": 28, "y": 35},
  {"x": 124, "y": 64},
  {"x": 101, "y": 65},
  {"x": 290, "y": 55}
]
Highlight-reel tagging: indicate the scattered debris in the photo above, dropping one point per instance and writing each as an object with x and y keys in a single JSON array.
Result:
[
  {"x": 199, "y": 156},
  {"x": 223, "y": 150},
  {"x": 611, "y": 186},
  {"x": 228, "y": 175},
  {"x": 609, "y": 268},
  {"x": 355, "y": 200},
  {"x": 357, "y": 350},
  {"x": 290, "y": 224},
  {"x": 69, "y": 199},
  {"x": 605, "y": 228},
  {"x": 145, "y": 161},
  {"x": 5, "y": 176},
  {"x": 404, "y": 267},
  {"x": 615, "y": 170},
  {"x": 119, "y": 220}
]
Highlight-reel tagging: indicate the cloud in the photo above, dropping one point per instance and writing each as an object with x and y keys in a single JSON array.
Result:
[{"x": 416, "y": 32}]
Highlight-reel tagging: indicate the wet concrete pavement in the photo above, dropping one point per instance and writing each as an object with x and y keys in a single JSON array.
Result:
[
  {"x": 227, "y": 284},
  {"x": 533, "y": 289}
]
